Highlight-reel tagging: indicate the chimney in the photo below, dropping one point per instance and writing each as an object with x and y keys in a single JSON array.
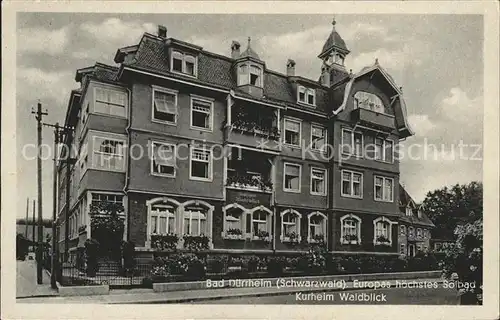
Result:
[
  {"x": 235, "y": 49},
  {"x": 162, "y": 32},
  {"x": 290, "y": 68}
]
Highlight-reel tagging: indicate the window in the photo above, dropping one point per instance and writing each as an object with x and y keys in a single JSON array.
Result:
[
  {"x": 292, "y": 177},
  {"x": 437, "y": 246},
  {"x": 195, "y": 222},
  {"x": 163, "y": 160},
  {"x": 165, "y": 106},
  {"x": 411, "y": 232},
  {"x": 318, "y": 138},
  {"x": 184, "y": 63},
  {"x": 419, "y": 233},
  {"x": 318, "y": 181},
  {"x": 249, "y": 74},
  {"x": 255, "y": 76},
  {"x": 382, "y": 230},
  {"x": 382, "y": 233},
  {"x": 352, "y": 143},
  {"x": 402, "y": 230},
  {"x": 84, "y": 115},
  {"x": 201, "y": 114},
  {"x": 350, "y": 231},
  {"x": 317, "y": 227},
  {"x": 384, "y": 189},
  {"x": 290, "y": 226},
  {"x": 200, "y": 165},
  {"x": 402, "y": 249},
  {"x": 368, "y": 101},
  {"x": 409, "y": 211},
  {"x": 234, "y": 226},
  {"x": 109, "y": 154},
  {"x": 384, "y": 150},
  {"x": 352, "y": 184},
  {"x": 306, "y": 96},
  {"x": 292, "y": 132},
  {"x": 98, "y": 198},
  {"x": 110, "y": 102},
  {"x": 260, "y": 224},
  {"x": 162, "y": 219}
]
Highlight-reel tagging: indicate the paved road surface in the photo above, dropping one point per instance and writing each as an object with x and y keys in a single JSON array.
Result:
[{"x": 26, "y": 285}]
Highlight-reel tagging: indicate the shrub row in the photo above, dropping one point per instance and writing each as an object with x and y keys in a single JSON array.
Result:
[{"x": 192, "y": 267}]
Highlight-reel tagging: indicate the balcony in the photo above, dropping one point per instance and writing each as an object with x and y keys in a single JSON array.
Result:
[
  {"x": 249, "y": 170},
  {"x": 373, "y": 119},
  {"x": 254, "y": 126},
  {"x": 252, "y": 181}
]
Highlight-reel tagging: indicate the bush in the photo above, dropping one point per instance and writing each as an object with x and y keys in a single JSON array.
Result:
[
  {"x": 196, "y": 243},
  {"x": 164, "y": 242},
  {"x": 188, "y": 265},
  {"x": 128, "y": 255},
  {"x": 217, "y": 264},
  {"x": 275, "y": 266},
  {"x": 91, "y": 255}
]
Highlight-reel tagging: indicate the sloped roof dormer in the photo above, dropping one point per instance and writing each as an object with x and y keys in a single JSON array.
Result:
[
  {"x": 249, "y": 72},
  {"x": 397, "y": 100}
]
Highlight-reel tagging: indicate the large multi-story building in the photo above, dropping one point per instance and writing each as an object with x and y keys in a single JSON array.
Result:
[{"x": 192, "y": 142}]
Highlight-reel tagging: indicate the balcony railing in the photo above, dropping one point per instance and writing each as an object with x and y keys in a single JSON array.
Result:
[
  {"x": 248, "y": 181},
  {"x": 376, "y": 119}
]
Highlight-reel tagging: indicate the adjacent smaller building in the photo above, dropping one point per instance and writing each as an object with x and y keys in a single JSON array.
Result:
[
  {"x": 26, "y": 228},
  {"x": 414, "y": 226}
]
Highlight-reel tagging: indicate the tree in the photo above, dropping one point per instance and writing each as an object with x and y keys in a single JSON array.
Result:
[
  {"x": 22, "y": 246},
  {"x": 450, "y": 207},
  {"x": 107, "y": 226},
  {"x": 465, "y": 259}
]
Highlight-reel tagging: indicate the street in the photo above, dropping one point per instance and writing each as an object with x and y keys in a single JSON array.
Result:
[
  {"x": 26, "y": 285},
  {"x": 399, "y": 296}
]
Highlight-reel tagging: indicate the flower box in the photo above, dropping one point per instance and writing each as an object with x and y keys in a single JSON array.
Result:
[{"x": 233, "y": 237}]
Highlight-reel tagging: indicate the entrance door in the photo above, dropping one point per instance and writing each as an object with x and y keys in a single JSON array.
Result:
[{"x": 411, "y": 250}]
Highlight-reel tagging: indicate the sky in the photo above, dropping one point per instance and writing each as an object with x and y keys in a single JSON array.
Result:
[{"x": 437, "y": 59}]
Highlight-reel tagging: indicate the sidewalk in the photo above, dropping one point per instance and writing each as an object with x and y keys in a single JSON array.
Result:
[
  {"x": 26, "y": 284},
  {"x": 146, "y": 296}
]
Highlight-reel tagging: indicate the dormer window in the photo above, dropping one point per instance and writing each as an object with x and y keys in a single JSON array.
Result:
[
  {"x": 249, "y": 74},
  {"x": 368, "y": 101},
  {"x": 183, "y": 63},
  {"x": 306, "y": 96},
  {"x": 409, "y": 211}
]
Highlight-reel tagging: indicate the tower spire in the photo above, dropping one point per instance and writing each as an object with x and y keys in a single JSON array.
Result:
[{"x": 334, "y": 22}]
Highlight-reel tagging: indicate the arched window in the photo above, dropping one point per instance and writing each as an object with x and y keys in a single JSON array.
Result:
[
  {"x": 261, "y": 223},
  {"x": 234, "y": 223},
  {"x": 190, "y": 64},
  {"x": 162, "y": 218},
  {"x": 368, "y": 101},
  {"x": 317, "y": 227},
  {"x": 350, "y": 232},
  {"x": 195, "y": 219},
  {"x": 290, "y": 226},
  {"x": 382, "y": 233},
  {"x": 177, "y": 58}
]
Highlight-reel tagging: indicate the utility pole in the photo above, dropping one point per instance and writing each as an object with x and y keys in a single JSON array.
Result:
[
  {"x": 39, "y": 116},
  {"x": 34, "y": 225},
  {"x": 69, "y": 161},
  {"x": 54, "y": 267},
  {"x": 58, "y": 137},
  {"x": 26, "y": 221}
]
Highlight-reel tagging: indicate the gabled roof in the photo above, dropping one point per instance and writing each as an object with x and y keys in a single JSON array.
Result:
[{"x": 406, "y": 200}]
